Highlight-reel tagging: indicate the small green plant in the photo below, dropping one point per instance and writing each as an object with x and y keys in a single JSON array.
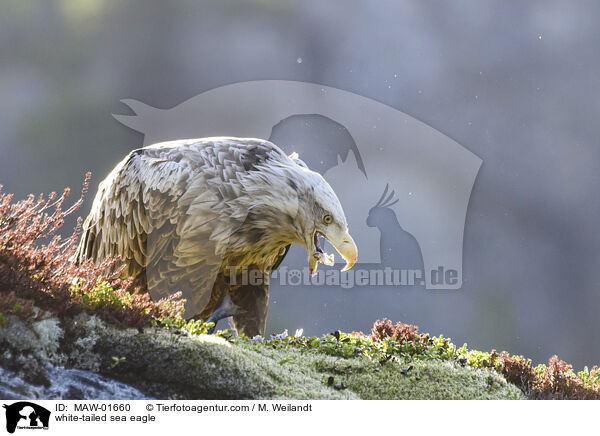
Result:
[
  {"x": 116, "y": 361},
  {"x": 190, "y": 327},
  {"x": 102, "y": 294}
]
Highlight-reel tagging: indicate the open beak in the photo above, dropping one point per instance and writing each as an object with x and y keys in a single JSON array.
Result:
[{"x": 343, "y": 243}]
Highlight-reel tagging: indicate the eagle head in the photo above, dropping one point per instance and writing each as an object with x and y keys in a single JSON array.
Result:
[{"x": 304, "y": 208}]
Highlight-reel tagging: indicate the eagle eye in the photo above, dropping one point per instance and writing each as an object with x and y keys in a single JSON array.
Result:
[{"x": 327, "y": 219}]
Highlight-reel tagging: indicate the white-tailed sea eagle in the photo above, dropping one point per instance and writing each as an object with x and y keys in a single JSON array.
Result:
[{"x": 213, "y": 218}]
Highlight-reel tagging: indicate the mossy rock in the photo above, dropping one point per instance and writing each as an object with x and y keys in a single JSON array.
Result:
[
  {"x": 164, "y": 364},
  {"x": 409, "y": 379},
  {"x": 203, "y": 367}
]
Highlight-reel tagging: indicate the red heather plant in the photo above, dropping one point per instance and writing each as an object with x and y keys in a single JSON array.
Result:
[
  {"x": 36, "y": 271},
  {"x": 553, "y": 381},
  {"x": 515, "y": 369},
  {"x": 557, "y": 380},
  {"x": 383, "y": 329}
]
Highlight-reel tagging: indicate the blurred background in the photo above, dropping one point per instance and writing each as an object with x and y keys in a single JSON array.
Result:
[{"x": 517, "y": 84}]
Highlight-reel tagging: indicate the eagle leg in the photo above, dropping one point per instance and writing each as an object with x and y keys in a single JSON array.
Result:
[{"x": 253, "y": 301}]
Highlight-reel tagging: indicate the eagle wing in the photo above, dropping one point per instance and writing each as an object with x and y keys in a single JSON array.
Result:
[{"x": 165, "y": 210}]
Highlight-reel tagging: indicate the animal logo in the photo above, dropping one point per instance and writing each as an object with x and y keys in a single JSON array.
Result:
[
  {"x": 363, "y": 147},
  {"x": 26, "y": 415},
  {"x": 396, "y": 247}
]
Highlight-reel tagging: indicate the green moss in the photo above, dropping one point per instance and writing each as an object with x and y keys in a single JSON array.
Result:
[
  {"x": 433, "y": 380},
  {"x": 179, "y": 363},
  {"x": 178, "y": 366},
  {"x": 398, "y": 379}
]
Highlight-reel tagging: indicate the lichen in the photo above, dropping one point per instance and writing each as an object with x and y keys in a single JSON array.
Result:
[
  {"x": 28, "y": 348},
  {"x": 49, "y": 333},
  {"x": 82, "y": 355},
  {"x": 40, "y": 339}
]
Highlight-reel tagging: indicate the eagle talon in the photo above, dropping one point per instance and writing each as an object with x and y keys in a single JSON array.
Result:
[{"x": 226, "y": 309}]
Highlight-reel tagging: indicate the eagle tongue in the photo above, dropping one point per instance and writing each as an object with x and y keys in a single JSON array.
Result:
[
  {"x": 317, "y": 245},
  {"x": 319, "y": 256}
]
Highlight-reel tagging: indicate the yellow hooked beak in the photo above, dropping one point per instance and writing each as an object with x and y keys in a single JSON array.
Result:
[{"x": 342, "y": 242}]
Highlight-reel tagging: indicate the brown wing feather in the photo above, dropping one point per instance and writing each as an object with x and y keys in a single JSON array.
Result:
[{"x": 165, "y": 209}]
